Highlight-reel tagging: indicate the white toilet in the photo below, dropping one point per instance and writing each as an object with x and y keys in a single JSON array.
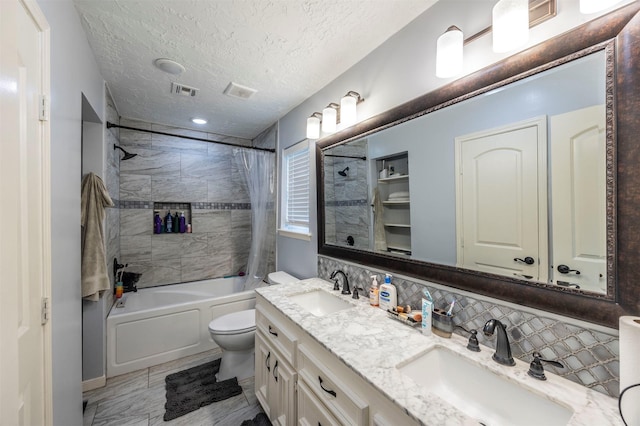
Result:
[{"x": 235, "y": 334}]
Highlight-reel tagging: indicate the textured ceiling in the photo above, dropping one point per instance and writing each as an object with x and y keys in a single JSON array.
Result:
[{"x": 285, "y": 49}]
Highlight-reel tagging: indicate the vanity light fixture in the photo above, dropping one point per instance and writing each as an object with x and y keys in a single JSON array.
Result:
[
  {"x": 197, "y": 120},
  {"x": 593, "y": 6},
  {"x": 348, "y": 108},
  {"x": 449, "y": 53},
  {"x": 313, "y": 126},
  {"x": 330, "y": 118},
  {"x": 510, "y": 25}
]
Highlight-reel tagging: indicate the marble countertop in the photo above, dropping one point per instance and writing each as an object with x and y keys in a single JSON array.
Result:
[{"x": 372, "y": 345}]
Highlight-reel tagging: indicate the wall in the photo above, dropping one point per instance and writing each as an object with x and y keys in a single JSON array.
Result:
[
  {"x": 399, "y": 70},
  {"x": 73, "y": 73},
  {"x": 183, "y": 173}
]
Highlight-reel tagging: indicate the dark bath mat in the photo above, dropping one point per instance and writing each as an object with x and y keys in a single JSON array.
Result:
[
  {"x": 260, "y": 420},
  {"x": 196, "y": 387}
]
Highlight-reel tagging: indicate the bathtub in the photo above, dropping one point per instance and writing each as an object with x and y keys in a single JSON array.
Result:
[{"x": 161, "y": 324}]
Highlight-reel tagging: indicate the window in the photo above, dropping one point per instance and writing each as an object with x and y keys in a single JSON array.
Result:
[{"x": 295, "y": 191}]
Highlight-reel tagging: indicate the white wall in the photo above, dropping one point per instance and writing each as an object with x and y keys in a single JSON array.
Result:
[
  {"x": 73, "y": 72},
  {"x": 399, "y": 70}
]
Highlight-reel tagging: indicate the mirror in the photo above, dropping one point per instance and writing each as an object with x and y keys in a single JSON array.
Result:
[
  {"x": 604, "y": 53},
  {"x": 541, "y": 214}
]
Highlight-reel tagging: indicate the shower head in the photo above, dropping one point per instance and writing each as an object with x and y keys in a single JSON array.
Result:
[
  {"x": 127, "y": 155},
  {"x": 344, "y": 172}
]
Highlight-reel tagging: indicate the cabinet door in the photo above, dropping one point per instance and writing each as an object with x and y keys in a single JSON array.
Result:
[
  {"x": 311, "y": 412},
  {"x": 282, "y": 393},
  {"x": 264, "y": 362}
]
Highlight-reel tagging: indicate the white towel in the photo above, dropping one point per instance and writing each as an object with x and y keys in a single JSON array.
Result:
[
  {"x": 95, "y": 198},
  {"x": 400, "y": 195}
]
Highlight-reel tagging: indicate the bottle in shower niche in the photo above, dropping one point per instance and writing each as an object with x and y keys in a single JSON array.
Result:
[
  {"x": 168, "y": 222},
  {"x": 176, "y": 222},
  {"x": 182, "y": 223},
  {"x": 157, "y": 223}
]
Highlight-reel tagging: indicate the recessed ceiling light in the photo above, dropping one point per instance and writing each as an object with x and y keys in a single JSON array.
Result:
[
  {"x": 167, "y": 65},
  {"x": 199, "y": 120}
]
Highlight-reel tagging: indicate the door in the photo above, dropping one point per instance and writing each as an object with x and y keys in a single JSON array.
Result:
[
  {"x": 501, "y": 200},
  {"x": 25, "y": 258},
  {"x": 578, "y": 198}
]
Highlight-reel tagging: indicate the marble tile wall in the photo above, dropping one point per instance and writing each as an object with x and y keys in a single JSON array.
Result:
[
  {"x": 171, "y": 169},
  {"x": 590, "y": 356},
  {"x": 347, "y": 210}
]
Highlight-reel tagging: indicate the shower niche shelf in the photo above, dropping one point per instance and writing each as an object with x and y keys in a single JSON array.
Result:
[{"x": 163, "y": 207}]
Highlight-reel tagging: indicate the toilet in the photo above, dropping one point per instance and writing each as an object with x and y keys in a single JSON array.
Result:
[{"x": 235, "y": 334}]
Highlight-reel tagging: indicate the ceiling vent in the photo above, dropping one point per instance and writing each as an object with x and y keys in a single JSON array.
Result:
[
  {"x": 239, "y": 91},
  {"x": 181, "y": 89}
]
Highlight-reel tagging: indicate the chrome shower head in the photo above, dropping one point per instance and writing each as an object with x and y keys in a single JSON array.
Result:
[
  {"x": 344, "y": 172},
  {"x": 127, "y": 155}
]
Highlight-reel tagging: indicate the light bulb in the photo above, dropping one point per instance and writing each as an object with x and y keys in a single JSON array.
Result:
[
  {"x": 510, "y": 25},
  {"x": 313, "y": 127},
  {"x": 329, "y": 118},
  {"x": 348, "y": 110},
  {"x": 449, "y": 53}
]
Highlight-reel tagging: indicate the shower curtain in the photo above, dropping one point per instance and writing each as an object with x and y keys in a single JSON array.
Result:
[{"x": 258, "y": 170}]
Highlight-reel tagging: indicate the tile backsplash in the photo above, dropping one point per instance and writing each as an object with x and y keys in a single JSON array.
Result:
[{"x": 590, "y": 357}]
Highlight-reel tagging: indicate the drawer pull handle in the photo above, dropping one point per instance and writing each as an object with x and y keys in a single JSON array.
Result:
[
  {"x": 329, "y": 391},
  {"x": 275, "y": 371},
  {"x": 273, "y": 332},
  {"x": 267, "y": 361}
]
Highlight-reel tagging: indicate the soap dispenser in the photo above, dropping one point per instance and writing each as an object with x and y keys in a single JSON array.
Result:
[
  {"x": 388, "y": 295},
  {"x": 374, "y": 292}
]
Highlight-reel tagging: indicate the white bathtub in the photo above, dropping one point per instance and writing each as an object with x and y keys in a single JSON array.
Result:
[{"x": 161, "y": 324}]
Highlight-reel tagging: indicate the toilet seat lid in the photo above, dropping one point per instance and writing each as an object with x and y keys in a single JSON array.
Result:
[{"x": 233, "y": 323}]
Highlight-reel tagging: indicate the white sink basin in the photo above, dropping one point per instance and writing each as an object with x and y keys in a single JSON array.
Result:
[
  {"x": 320, "y": 303},
  {"x": 480, "y": 393}
]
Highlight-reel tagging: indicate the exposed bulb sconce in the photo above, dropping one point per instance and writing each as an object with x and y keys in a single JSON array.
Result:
[
  {"x": 330, "y": 118},
  {"x": 313, "y": 126},
  {"x": 449, "y": 53},
  {"x": 510, "y": 25},
  {"x": 593, "y": 6},
  {"x": 348, "y": 108}
]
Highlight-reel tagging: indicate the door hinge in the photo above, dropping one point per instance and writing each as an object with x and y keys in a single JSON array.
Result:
[
  {"x": 44, "y": 108},
  {"x": 44, "y": 312}
]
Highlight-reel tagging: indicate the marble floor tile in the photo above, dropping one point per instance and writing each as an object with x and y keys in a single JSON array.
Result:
[
  {"x": 141, "y": 420},
  {"x": 89, "y": 414},
  {"x": 248, "y": 388},
  {"x": 119, "y": 385},
  {"x": 159, "y": 372},
  {"x": 140, "y": 402}
]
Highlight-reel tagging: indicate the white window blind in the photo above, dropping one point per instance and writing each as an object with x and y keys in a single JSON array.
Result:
[{"x": 296, "y": 200}]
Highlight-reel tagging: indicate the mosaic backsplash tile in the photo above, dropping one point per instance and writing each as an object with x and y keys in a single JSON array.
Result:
[{"x": 591, "y": 358}]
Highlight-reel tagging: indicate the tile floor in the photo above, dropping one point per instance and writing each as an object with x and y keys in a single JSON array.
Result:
[{"x": 137, "y": 399}]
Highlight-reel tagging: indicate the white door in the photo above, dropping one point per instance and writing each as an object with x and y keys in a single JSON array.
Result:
[
  {"x": 501, "y": 200},
  {"x": 25, "y": 349},
  {"x": 578, "y": 198}
]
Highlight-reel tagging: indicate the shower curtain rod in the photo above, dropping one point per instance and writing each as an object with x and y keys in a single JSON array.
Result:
[
  {"x": 110, "y": 125},
  {"x": 346, "y": 156}
]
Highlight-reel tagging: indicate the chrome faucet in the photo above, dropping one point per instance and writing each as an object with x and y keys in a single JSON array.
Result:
[
  {"x": 503, "y": 348},
  {"x": 345, "y": 285}
]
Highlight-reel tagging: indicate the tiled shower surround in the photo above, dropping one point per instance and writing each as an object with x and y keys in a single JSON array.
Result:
[
  {"x": 170, "y": 169},
  {"x": 591, "y": 358},
  {"x": 347, "y": 210}
]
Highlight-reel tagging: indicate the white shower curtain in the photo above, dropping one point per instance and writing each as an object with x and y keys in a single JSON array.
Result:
[{"x": 258, "y": 170}]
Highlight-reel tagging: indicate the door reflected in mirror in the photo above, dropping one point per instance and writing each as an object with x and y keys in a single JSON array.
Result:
[{"x": 513, "y": 174}]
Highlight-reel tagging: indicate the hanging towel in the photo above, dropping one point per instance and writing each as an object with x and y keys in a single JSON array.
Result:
[
  {"x": 95, "y": 198},
  {"x": 379, "y": 234}
]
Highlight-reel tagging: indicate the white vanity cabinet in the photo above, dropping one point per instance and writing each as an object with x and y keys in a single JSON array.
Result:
[
  {"x": 275, "y": 376},
  {"x": 299, "y": 382}
]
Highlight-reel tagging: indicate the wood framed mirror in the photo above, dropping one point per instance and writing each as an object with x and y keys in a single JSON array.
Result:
[{"x": 619, "y": 32}]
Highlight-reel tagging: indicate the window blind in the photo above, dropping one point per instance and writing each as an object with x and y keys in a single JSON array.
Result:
[{"x": 297, "y": 197}]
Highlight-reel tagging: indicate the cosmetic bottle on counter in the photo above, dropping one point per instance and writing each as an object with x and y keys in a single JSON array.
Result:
[
  {"x": 388, "y": 295},
  {"x": 373, "y": 291},
  {"x": 182, "y": 223}
]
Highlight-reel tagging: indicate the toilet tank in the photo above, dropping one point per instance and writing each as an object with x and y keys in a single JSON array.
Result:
[{"x": 281, "y": 277}]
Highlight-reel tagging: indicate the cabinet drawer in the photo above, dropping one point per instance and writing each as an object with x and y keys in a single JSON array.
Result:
[
  {"x": 346, "y": 405},
  {"x": 311, "y": 412},
  {"x": 278, "y": 332}
]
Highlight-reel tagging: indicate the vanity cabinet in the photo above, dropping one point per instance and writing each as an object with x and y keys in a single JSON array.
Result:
[
  {"x": 275, "y": 376},
  {"x": 299, "y": 382}
]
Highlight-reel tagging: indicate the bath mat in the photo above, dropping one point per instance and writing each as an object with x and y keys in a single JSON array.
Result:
[
  {"x": 260, "y": 420},
  {"x": 196, "y": 387}
]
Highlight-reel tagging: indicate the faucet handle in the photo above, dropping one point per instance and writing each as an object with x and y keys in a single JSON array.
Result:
[
  {"x": 536, "y": 370},
  {"x": 473, "y": 344},
  {"x": 336, "y": 286}
]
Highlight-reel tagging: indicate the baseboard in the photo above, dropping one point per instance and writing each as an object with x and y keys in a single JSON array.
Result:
[{"x": 96, "y": 383}]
